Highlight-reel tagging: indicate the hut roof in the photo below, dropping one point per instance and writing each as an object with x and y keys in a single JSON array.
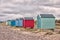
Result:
[
  {"x": 47, "y": 16},
  {"x": 28, "y": 18},
  {"x": 20, "y": 19}
]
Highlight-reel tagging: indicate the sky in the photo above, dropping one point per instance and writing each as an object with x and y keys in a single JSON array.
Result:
[{"x": 12, "y": 9}]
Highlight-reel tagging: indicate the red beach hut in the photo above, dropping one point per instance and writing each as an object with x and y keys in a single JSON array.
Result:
[{"x": 28, "y": 22}]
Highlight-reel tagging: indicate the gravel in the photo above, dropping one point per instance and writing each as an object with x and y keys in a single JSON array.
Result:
[{"x": 7, "y": 33}]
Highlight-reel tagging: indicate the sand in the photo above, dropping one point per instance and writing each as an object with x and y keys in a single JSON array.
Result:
[{"x": 9, "y": 33}]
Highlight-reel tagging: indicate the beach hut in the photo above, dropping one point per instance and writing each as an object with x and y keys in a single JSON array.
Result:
[
  {"x": 8, "y": 22},
  {"x": 46, "y": 21},
  {"x": 28, "y": 22},
  {"x": 19, "y": 22},
  {"x": 13, "y": 22}
]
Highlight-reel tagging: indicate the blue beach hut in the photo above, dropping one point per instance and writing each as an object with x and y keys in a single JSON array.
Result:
[{"x": 19, "y": 22}]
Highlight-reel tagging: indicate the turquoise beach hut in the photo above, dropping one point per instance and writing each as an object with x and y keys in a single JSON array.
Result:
[
  {"x": 13, "y": 22},
  {"x": 46, "y": 21}
]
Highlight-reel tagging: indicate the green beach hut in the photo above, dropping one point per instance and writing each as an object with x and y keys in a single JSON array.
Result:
[
  {"x": 8, "y": 22},
  {"x": 45, "y": 21}
]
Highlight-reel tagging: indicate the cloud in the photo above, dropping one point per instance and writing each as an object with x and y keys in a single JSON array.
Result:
[{"x": 28, "y": 7}]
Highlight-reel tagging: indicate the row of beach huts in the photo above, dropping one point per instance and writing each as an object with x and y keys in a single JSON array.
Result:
[{"x": 44, "y": 21}]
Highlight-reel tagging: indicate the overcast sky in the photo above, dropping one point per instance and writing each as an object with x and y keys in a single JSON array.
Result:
[{"x": 12, "y": 9}]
